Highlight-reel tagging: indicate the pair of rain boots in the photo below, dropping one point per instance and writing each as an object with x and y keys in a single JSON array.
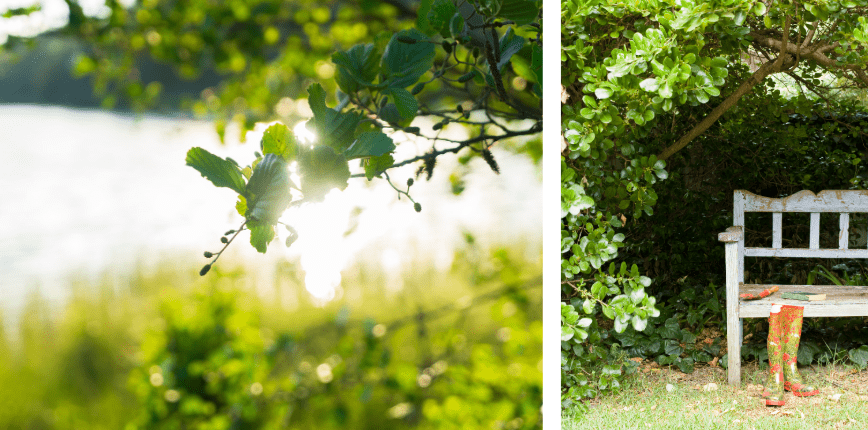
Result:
[{"x": 785, "y": 330}]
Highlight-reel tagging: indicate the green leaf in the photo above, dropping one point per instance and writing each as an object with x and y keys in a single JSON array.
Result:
[
  {"x": 278, "y": 140},
  {"x": 687, "y": 336},
  {"x": 685, "y": 364},
  {"x": 370, "y": 144},
  {"x": 221, "y": 172},
  {"x": 859, "y": 356},
  {"x": 356, "y": 67},
  {"x": 405, "y": 102},
  {"x": 603, "y": 93},
  {"x": 567, "y": 333},
  {"x": 665, "y": 91},
  {"x": 440, "y": 15},
  {"x": 333, "y": 128},
  {"x": 536, "y": 63},
  {"x": 422, "y": 19},
  {"x": 405, "y": 63},
  {"x": 456, "y": 26},
  {"x": 322, "y": 169},
  {"x": 268, "y": 190},
  {"x": 375, "y": 165},
  {"x": 649, "y": 85},
  {"x": 648, "y": 115},
  {"x": 389, "y": 113},
  {"x": 611, "y": 369},
  {"x": 509, "y": 45},
  {"x": 522, "y": 12},
  {"x": 672, "y": 347},
  {"x": 639, "y": 324},
  {"x": 759, "y": 8},
  {"x": 670, "y": 329},
  {"x": 241, "y": 206},
  {"x": 621, "y": 324},
  {"x": 261, "y": 235}
]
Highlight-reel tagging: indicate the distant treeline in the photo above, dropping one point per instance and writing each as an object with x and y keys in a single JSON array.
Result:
[{"x": 41, "y": 72}]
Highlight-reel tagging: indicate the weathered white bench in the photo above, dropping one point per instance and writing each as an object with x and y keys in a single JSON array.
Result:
[{"x": 840, "y": 301}]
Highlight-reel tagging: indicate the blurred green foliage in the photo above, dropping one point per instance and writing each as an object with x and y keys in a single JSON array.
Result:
[{"x": 218, "y": 356}]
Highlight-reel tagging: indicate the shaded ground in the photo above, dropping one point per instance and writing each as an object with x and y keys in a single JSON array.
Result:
[{"x": 703, "y": 400}]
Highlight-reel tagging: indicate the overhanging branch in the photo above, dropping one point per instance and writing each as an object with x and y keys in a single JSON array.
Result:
[{"x": 764, "y": 71}]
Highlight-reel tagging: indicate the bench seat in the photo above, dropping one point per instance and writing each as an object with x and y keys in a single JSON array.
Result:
[{"x": 841, "y": 301}]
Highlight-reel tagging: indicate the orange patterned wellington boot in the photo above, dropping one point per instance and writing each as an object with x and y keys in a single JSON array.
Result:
[
  {"x": 774, "y": 387},
  {"x": 792, "y": 317}
]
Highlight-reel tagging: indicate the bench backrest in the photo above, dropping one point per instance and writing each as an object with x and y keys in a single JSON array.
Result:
[{"x": 835, "y": 201}]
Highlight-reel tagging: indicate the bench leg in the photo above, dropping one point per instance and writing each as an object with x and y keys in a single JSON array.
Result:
[{"x": 733, "y": 342}]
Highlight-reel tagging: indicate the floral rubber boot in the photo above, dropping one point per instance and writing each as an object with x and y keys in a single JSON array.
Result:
[
  {"x": 774, "y": 387},
  {"x": 792, "y": 317}
]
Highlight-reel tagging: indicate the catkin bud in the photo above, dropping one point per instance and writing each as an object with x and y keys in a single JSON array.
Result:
[
  {"x": 224, "y": 239},
  {"x": 208, "y": 254},
  {"x": 412, "y": 130},
  {"x": 466, "y": 77},
  {"x": 489, "y": 158},
  {"x": 410, "y": 182},
  {"x": 418, "y": 207},
  {"x": 460, "y": 108},
  {"x": 418, "y": 88},
  {"x": 205, "y": 270},
  {"x": 229, "y": 232},
  {"x": 407, "y": 39}
]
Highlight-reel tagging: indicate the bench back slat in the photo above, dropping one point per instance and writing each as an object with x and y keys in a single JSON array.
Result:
[
  {"x": 776, "y": 229},
  {"x": 815, "y": 231},
  {"x": 844, "y": 236}
]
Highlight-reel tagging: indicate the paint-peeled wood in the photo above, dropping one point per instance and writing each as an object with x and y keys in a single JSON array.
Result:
[
  {"x": 777, "y": 229},
  {"x": 844, "y": 235},
  {"x": 807, "y": 201},
  {"x": 733, "y": 337}
]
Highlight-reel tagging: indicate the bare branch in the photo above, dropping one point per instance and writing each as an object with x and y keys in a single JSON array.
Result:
[{"x": 494, "y": 138}]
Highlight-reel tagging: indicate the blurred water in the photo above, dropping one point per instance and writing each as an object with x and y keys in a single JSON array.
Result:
[{"x": 89, "y": 192}]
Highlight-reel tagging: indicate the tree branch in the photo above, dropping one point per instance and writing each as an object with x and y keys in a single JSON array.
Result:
[
  {"x": 815, "y": 52},
  {"x": 764, "y": 71},
  {"x": 536, "y": 128}
]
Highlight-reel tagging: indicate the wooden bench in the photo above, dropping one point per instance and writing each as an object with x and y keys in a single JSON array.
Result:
[{"x": 840, "y": 300}]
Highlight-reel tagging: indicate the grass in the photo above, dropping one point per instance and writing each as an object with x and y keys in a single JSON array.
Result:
[{"x": 645, "y": 403}]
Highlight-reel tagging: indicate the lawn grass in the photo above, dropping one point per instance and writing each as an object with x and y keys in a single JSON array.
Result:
[{"x": 644, "y": 402}]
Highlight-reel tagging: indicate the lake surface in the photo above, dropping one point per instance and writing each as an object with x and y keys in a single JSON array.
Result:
[{"x": 89, "y": 193}]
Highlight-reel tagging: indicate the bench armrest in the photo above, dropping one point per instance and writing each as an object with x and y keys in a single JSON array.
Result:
[{"x": 732, "y": 234}]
